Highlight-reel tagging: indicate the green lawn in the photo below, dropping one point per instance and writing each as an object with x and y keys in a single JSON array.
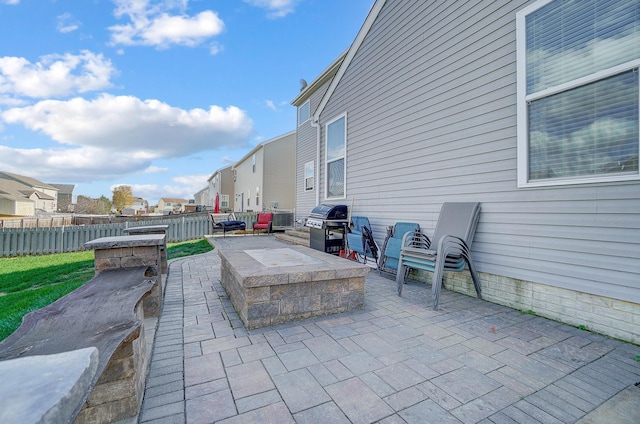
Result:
[{"x": 28, "y": 283}]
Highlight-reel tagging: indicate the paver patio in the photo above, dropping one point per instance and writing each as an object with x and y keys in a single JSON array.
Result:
[{"x": 394, "y": 361}]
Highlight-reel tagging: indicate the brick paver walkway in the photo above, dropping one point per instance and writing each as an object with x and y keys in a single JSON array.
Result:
[{"x": 394, "y": 361}]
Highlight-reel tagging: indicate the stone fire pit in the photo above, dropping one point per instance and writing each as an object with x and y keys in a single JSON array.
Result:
[{"x": 272, "y": 286}]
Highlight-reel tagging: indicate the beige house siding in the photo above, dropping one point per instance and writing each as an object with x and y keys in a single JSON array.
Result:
[
  {"x": 221, "y": 182},
  {"x": 279, "y": 173},
  {"x": 271, "y": 163}
]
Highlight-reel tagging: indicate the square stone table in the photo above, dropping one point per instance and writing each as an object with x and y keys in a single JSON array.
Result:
[{"x": 272, "y": 286}]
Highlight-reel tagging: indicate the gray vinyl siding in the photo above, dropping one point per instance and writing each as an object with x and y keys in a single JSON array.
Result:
[
  {"x": 430, "y": 98},
  {"x": 279, "y": 173},
  {"x": 306, "y": 151}
]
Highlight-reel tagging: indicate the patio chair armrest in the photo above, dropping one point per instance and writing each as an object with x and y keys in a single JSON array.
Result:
[
  {"x": 416, "y": 239},
  {"x": 453, "y": 246}
]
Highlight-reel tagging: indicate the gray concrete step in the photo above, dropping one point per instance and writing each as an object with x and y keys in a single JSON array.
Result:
[{"x": 293, "y": 237}]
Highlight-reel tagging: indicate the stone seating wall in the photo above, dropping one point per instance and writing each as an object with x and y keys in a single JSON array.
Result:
[{"x": 93, "y": 341}]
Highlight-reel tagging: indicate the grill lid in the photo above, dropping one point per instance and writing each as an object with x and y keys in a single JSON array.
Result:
[{"x": 329, "y": 212}]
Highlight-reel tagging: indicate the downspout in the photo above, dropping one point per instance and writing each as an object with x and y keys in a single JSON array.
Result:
[{"x": 315, "y": 125}]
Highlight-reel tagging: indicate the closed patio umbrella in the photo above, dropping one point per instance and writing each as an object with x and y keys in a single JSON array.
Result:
[{"x": 216, "y": 206}]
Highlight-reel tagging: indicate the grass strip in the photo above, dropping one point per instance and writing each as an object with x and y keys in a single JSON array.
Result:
[{"x": 28, "y": 283}]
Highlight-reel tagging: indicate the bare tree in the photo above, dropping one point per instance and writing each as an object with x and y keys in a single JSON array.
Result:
[{"x": 91, "y": 206}]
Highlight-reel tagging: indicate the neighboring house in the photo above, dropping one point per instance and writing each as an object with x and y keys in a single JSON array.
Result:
[
  {"x": 265, "y": 177},
  {"x": 26, "y": 196},
  {"x": 221, "y": 183},
  {"x": 140, "y": 206},
  {"x": 168, "y": 205},
  {"x": 65, "y": 197},
  {"x": 202, "y": 197},
  {"x": 529, "y": 107}
]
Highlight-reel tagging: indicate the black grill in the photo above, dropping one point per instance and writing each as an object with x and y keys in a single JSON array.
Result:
[{"x": 328, "y": 225}]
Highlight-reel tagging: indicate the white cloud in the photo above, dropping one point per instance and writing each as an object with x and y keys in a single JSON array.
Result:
[
  {"x": 67, "y": 23},
  {"x": 184, "y": 188},
  {"x": 215, "y": 48},
  {"x": 10, "y": 1},
  {"x": 11, "y": 101},
  {"x": 155, "y": 170},
  {"x": 55, "y": 75},
  {"x": 128, "y": 124},
  {"x": 79, "y": 164},
  {"x": 153, "y": 25},
  {"x": 194, "y": 182},
  {"x": 275, "y": 8},
  {"x": 118, "y": 135},
  {"x": 271, "y": 105}
]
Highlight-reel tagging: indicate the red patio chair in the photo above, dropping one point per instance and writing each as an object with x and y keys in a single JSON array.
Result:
[{"x": 264, "y": 222}]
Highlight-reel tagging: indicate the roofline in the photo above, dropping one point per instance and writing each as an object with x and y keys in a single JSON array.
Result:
[
  {"x": 325, "y": 76},
  {"x": 366, "y": 26},
  {"x": 261, "y": 145},
  {"x": 218, "y": 171},
  {"x": 21, "y": 179}
]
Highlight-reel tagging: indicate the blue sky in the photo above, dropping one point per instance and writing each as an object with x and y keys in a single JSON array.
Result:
[{"x": 156, "y": 94}]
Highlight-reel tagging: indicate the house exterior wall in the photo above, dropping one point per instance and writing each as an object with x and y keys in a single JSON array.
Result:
[
  {"x": 306, "y": 151},
  {"x": 227, "y": 186},
  {"x": 171, "y": 205},
  {"x": 279, "y": 173},
  {"x": 202, "y": 197},
  {"x": 25, "y": 208},
  {"x": 7, "y": 207},
  {"x": 430, "y": 97},
  {"x": 247, "y": 180},
  {"x": 221, "y": 182}
]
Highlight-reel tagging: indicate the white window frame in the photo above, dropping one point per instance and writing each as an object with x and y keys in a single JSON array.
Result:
[
  {"x": 522, "y": 110},
  {"x": 306, "y": 106},
  {"x": 343, "y": 157},
  {"x": 224, "y": 200},
  {"x": 309, "y": 175}
]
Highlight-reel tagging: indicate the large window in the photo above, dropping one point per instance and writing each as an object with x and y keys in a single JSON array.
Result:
[
  {"x": 578, "y": 91},
  {"x": 308, "y": 175},
  {"x": 336, "y": 136},
  {"x": 224, "y": 200},
  {"x": 303, "y": 113}
]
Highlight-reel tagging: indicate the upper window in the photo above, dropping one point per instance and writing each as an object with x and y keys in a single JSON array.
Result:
[
  {"x": 578, "y": 91},
  {"x": 336, "y": 136},
  {"x": 303, "y": 113},
  {"x": 224, "y": 200},
  {"x": 253, "y": 164},
  {"x": 308, "y": 175}
]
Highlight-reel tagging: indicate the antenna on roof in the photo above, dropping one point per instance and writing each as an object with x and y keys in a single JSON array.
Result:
[{"x": 303, "y": 84}]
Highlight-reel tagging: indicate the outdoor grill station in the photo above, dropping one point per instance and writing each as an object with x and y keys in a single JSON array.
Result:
[{"x": 327, "y": 228}]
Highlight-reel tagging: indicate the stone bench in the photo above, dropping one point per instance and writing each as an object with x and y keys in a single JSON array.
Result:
[
  {"x": 94, "y": 333},
  {"x": 272, "y": 286},
  {"x": 131, "y": 251},
  {"x": 111, "y": 315}
]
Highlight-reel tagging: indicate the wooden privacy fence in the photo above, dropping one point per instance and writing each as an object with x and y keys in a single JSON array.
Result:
[{"x": 39, "y": 241}]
